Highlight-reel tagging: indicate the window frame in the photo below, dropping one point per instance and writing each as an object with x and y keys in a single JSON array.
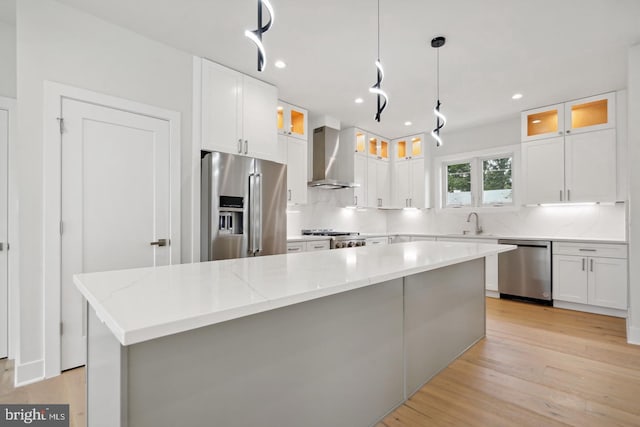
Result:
[
  {"x": 480, "y": 196},
  {"x": 475, "y": 158},
  {"x": 445, "y": 182}
]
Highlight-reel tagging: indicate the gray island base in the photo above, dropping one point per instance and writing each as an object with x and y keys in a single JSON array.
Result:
[{"x": 346, "y": 359}]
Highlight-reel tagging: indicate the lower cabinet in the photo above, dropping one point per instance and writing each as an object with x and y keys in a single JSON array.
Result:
[
  {"x": 374, "y": 241},
  {"x": 308, "y": 246},
  {"x": 590, "y": 274}
]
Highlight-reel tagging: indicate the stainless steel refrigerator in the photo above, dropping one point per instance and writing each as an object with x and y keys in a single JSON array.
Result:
[{"x": 243, "y": 207}]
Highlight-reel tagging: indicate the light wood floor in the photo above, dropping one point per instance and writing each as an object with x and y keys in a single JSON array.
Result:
[
  {"x": 538, "y": 366},
  {"x": 66, "y": 388}
]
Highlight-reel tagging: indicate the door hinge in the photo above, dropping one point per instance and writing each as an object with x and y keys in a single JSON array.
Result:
[
  {"x": 61, "y": 124},
  {"x": 60, "y": 328},
  {"x": 61, "y": 228}
]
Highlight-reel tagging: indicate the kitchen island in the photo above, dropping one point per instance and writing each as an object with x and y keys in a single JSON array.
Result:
[{"x": 334, "y": 338}]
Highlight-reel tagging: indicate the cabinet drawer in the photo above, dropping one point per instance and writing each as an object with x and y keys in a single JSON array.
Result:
[
  {"x": 317, "y": 245},
  {"x": 295, "y": 247},
  {"x": 605, "y": 250},
  {"x": 377, "y": 241}
]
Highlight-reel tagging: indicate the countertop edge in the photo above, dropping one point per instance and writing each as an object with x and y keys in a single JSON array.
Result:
[{"x": 135, "y": 336}]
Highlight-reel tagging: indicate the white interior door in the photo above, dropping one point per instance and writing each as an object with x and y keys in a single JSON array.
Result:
[
  {"x": 4, "y": 293},
  {"x": 115, "y": 202}
]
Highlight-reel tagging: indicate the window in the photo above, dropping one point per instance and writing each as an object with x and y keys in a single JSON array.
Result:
[
  {"x": 482, "y": 181},
  {"x": 497, "y": 183},
  {"x": 458, "y": 184}
]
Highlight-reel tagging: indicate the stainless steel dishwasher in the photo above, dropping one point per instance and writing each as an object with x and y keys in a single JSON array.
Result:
[{"x": 525, "y": 273}]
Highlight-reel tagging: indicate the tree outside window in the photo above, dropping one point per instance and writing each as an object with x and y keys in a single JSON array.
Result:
[
  {"x": 459, "y": 184},
  {"x": 497, "y": 182}
]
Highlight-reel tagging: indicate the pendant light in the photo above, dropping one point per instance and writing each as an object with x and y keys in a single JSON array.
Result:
[
  {"x": 256, "y": 35},
  {"x": 441, "y": 120},
  {"x": 376, "y": 89}
]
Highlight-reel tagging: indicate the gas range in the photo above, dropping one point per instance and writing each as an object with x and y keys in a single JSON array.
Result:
[{"x": 339, "y": 239}]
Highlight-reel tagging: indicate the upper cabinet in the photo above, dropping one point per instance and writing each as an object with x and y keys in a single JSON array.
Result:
[
  {"x": 292, "y": 134},
  {"x": 354, "y": 142},
  {"x": 292, "y": 120},
  {"x": 410, "y": 147},
  {"x": 409, "y": 179},
  {"x": 378, "y": 148},
  {"x": 582, "y": 115},
  {"x": 237, "y": 113},
  {"x": 569, "y": 152}
]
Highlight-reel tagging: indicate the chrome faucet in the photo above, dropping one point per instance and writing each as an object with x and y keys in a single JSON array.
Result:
[{"x": 478, "y": 228}]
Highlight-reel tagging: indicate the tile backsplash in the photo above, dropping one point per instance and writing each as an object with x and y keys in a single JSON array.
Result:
[{"x": 579, "y": 221}]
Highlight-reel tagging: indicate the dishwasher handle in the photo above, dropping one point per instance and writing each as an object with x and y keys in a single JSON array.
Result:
[{"x": 526, "y": 243}]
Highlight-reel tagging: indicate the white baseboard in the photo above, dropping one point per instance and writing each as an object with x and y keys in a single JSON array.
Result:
[
  {"x": 492, "y": 294},
  {"x": 590, "y": 308},
  {"x": 633, "y": 335},
  {"x": 28, "y": 373}
]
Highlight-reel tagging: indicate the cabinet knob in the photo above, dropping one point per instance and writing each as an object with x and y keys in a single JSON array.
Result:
[
  {"x": 568, "y": 131},
  {"x": 560, "y": 133}
]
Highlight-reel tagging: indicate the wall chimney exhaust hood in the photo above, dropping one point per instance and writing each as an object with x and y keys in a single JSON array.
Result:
[{"x": 329, "y": 169}]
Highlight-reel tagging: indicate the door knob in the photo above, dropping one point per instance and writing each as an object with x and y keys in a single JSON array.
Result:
[{"x": 161, "y": 242}]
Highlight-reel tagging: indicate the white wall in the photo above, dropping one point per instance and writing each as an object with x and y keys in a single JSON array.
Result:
[
  {"x": 595, "y": 221},
  {"x": 633, "y": 99},
  {"x": 61, "y": 44},
  {"x": 7, "y": 59},
  {"x": 323, "y": 211}
]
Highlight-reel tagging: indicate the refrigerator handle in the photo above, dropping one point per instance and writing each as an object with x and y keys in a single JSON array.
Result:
[
  {"x": 251, "y": 206},
  {"x": 259, "y": 214}
]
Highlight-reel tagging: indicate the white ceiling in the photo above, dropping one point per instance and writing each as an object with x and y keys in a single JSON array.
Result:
[{"x": 549, "y": 50}]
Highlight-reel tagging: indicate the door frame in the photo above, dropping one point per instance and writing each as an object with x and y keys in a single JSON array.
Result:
[
  {"x": 54, "y": 93},
  {"x": 10, "y": 105}
]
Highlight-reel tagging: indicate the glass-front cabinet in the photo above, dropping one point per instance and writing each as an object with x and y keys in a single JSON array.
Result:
[
  {"x": 582, "y": 115},
  {"x": 410, "y": 147},
  {"x": 292, "y": 120},
  {"x": 590, "y": 114},
  {"x": 541, "y": 123},
  {"x": 378, "y": 147}
]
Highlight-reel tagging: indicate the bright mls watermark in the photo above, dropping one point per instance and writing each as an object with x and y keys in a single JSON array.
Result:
[{"x": 34, "y": 415}]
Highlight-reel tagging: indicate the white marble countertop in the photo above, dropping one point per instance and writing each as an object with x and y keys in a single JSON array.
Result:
[
  {"x": 146, "y": 303},
  {"x": 504, "y": 236}
]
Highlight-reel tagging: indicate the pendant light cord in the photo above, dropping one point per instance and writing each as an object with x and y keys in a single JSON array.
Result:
[
  {"x": 438, "y": 74},
  {"x": 378, "y": 30}
]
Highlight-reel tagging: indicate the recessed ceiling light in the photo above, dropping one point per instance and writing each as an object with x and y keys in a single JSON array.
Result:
[
  {"x": 408, "y": 123},
  {"x": 516, "y": 96},
  {"x": 359, "y": 100},
  {"x": 280, "y": 64},
  {"x": 536, "y": 121}
]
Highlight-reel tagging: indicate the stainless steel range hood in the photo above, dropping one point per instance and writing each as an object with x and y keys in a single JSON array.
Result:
[{"x": 329, "y": 169}]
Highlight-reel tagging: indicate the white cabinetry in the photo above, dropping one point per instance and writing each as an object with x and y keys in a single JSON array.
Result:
[
  {"x": 296, "y": 169},
  {"x": 578, "y": 116},
  {"x": 590, "y": 276},
  {"x": 575, "y": 168},
  {"x": 291, "y": 122},
  {"x": 408, "y": 184},
  {"x": 308, "y": 246},
  {"x": 376, "y": 241},
  {"x": 569, "y": 151},
  {"x": 378, "y": 176},
  {"x": 354, "y": 152},
  {"x": 237, "y": 113}
]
